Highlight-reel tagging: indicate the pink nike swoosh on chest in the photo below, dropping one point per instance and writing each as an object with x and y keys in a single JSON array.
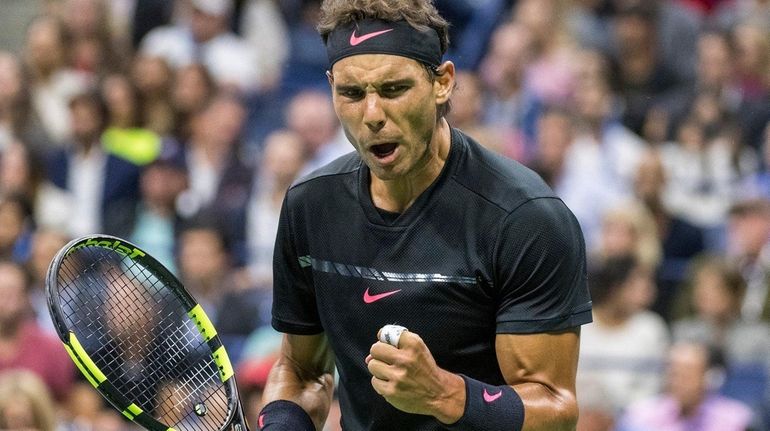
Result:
[{"x": 368, "y": 298}]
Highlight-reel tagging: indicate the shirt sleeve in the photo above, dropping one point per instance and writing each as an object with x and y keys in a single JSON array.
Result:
[
  {"x": 294, "y": 303},
  {"x": 541, "y": 270}
]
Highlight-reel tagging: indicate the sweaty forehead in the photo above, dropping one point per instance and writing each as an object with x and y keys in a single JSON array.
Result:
[{"x": 373, "y": 68}]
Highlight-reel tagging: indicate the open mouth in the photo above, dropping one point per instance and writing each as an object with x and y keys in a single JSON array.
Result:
[{"x": 383, "y": 150}]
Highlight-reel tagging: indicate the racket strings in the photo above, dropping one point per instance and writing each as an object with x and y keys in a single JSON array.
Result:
[{"x": 137, "y": 332}]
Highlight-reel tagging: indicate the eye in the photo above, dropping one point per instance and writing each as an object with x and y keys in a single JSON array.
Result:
[
  {"x": 393, "y": 90},
  {"x": 351, "y": 93}
]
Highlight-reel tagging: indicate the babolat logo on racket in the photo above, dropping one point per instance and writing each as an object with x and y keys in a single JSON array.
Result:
[{"x": 115, "y": 245}]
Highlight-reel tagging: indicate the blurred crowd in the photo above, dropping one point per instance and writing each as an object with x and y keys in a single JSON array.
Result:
[{"x": 179, "y": 125}]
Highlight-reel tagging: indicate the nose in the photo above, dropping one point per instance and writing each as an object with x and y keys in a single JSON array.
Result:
[{"x": 374, "y": 116}]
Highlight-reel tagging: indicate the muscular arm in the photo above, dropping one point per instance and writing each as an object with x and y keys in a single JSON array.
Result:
[
  {"x": 304, "y": 374},
  {"x": 541, "y": 368}
]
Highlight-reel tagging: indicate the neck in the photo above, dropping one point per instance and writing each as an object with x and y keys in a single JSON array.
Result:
[{"x": 397, "y": 195}]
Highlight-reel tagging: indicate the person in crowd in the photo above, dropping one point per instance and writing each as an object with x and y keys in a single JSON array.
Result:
[
  {"x": 622, "y": 352},
  {"x": 206, "y": 269},
  {"x": 23, "y": 344},
  {"x": 125, "y": 135},
  {"x": 191, "y": 89},
  {"x": 680, "y": 240},
  {"x": 601, "y": 161},
  {"x": 204, "y": 36},
  {"x": 748, "y": 237},
  {"x": 25, "y": 402},
  {"x": 153, "y": 78},
  {"x": 712, "y": 304},
  {"x": 629, "y": 228},
  {"x": 468, "y": 112},
  {"x": 555, "y": 132},
  {"x": 311, "y": 116},
  {"x": 22, "y": 173},
  {"x": 689, "y": 401},
  {"x": 283, "y": 158},
  {"x": 220, "y": 174},
  {"x": 52, "y": 82},
  {"x": 508, "y": 102},
  {"x": 16, "y": 227},
  {"x": 99, "y": 183}
]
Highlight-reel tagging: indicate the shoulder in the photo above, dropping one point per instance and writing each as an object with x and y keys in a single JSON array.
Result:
[
  {"x": 338, "y": 171},
  {"x": 499, "y": 180}
]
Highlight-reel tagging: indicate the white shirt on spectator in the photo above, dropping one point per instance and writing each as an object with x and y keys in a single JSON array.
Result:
[
  {"x": 228, "y": 57},
  {"x": 598, "y": 176},
  {"x": 86, "y": 183},
  {"x": 625, "y": 362}
]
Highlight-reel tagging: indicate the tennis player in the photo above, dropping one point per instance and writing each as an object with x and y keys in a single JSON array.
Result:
[{"x": 424, "y": 228}]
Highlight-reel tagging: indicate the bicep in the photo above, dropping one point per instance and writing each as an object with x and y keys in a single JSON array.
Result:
[{"x": 541, "y": 368}]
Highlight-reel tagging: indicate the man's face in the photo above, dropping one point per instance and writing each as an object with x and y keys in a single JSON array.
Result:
[{"x": 387, "y": 107}]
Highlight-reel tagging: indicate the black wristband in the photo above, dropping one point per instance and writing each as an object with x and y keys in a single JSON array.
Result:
[
  {"x": 490, "y": 408},
  {"x": 284, "y": 415}
]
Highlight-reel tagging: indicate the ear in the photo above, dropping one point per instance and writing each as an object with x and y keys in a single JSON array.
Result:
[{"x": 444, "y": 83}]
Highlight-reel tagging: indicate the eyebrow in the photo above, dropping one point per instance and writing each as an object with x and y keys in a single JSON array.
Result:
[{"x": 397, "y": 81}]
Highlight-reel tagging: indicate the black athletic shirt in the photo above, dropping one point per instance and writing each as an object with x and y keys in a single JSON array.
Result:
[{"x": 486, "y": 249}]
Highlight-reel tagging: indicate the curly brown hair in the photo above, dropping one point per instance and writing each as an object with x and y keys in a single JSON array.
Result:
[{"x": 420, "y": 14}]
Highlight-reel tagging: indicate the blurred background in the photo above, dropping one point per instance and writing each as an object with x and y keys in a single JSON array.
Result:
[{"x": 180, "y": 124}]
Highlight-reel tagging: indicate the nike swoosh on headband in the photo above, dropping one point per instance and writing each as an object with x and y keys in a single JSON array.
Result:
[{"x": 355, "y": 40}]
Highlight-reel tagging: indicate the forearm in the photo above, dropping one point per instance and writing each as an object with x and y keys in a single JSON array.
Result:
[
  {"x": 313, "y": 391},
  {"x": 544, "y": 408},
  {"x": 547, "y": 408}
]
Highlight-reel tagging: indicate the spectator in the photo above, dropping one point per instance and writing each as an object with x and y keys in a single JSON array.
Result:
[
  {"x": 645, "y": 78},
  {"x": 46, "y": 243},
  {"x": 749, "y": 246},
  {"x": 311, "y": 116},
  {"x": 17, "y": 118},
  {"x": 100, "y": 183},
  {"x": 758, "y": 184},
  {"x": 467, "y": 112},
  {"x": 15, "y": 228},
  {"x": 153, "y": 77},
  {"x": 510, "y": 104},
  {"x": 283, "y": 157},
  {"x": 191, "y": 90},
  {"x": 94, "y": 50},
  {"x": 701, "y": 178},
  {"x": 24, "y": 344},
  {"x": 52, "y": 82},
  {"x": 717, "y": 290},
  {"x": 264, "y": 28},
  {"x": 689, "y": 401},
  {"x": 551, "y": 73},
  {"x": 154, "y": 223},
  {"x": 555, "y": 132},
  {"x": 602, "y": 159},
  {"x": 205, "y": 268},
  {"x": 125, "y": 135},
  {"x": 219, "y": 176},
  {"x": 629, "y": 228},
  {"x": 25, "y": 402},
  {"x": 204, "y": 36},
  {"x": 680, "y": 240},
  {"x": 22, "y": 173},
  {"x": 622, "y": 351}
]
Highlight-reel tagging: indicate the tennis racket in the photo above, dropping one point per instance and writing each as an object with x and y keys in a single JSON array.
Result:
[{"x": 140, "y": 338}]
